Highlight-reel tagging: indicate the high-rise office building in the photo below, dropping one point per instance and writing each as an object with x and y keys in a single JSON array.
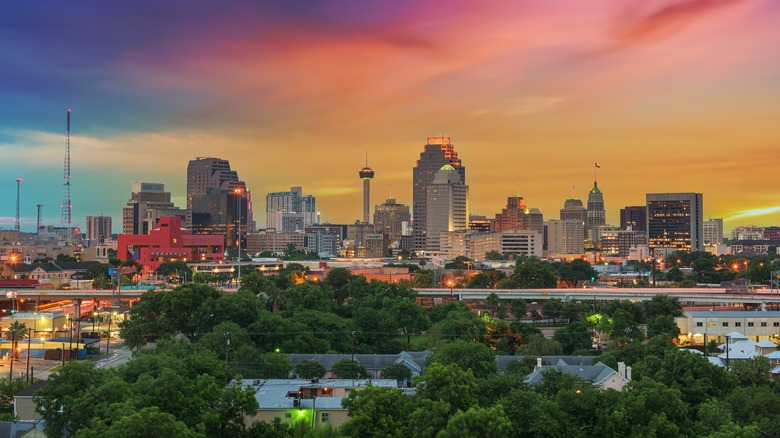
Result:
[
  {"x": 516, "y": 216},
  {"x": 280, "y": 205},
  {"x": 148, "y": 202},
  {"x": 574, "y": 210},
  {"x": 634, "y": 217},
  {"x": 446, "y": 205},
  {"x": 713, "y": 231},
  {"x": 98, "y": 228},
  {"x": 218, "y": 203},
  {"x": 565, "y": 236},
  {"x": 389, "y": 218},
  {"x": 675, "y": 220},
  {"x": 438, "y": 152},
  {"x": 596, "y": 213}
]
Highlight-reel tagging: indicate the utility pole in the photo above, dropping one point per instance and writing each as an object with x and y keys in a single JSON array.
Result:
[
  {"x": 227, "y": 350},
  {"x": 66, "y": 205},
  {"x": 29, "y": 339}
]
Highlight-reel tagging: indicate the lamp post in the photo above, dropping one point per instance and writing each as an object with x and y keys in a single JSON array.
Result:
[
  {"x": 449, "y": 283},
  {"x": 313, "y": 411}
]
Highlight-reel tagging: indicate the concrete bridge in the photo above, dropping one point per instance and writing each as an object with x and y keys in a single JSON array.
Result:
[{"x": 716, "y": 296}]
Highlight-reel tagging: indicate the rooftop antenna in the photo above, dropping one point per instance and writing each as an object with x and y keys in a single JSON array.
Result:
[
  {"x": 572, "y": 191},
  {"x": 17, "y": 221},
  {"x": 66, "y": 205}
]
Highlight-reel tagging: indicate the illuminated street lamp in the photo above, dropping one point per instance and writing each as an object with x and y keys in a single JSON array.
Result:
[{"x": 450, "y": 284}]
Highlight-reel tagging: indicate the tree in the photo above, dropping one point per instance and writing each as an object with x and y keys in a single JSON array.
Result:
[
  {"x": 16, "y": 331},
  {"x": 494, "y": 255},
  {"x": 173, "y": 268},
  {"x": 649, "y": 408},
  {"x": 663, "y": 325},
  {"x": 575, "y": 271},
  {"x": 552, "y": 309},
  {"x": 531, "y": 273},
  {"x": 450, "y": 384},
  {"x": 338, "y": 279},
  {"x": 375, "y": 412},
  {"x": 519, "y": 308},
  {"x": 477, "y": 423},
  {"x": 752, "y": 372},
  {"x": 397, "y": 371},
  {"x": 575, "y": 336},
  {"x": 662, "y": 305},
  {"x": 674, "y": 275},
  {"x": 309, "y": 369},
  {"x": 468, "y": 356},
  {"x": 486, "y": 279},
  {"x": 347, "y": 369}
]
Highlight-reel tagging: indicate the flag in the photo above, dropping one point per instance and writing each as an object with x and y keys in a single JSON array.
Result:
[{"x": 597, "y": 166}]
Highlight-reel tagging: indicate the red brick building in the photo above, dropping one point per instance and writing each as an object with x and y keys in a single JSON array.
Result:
[{"x": 168, "y": 242}]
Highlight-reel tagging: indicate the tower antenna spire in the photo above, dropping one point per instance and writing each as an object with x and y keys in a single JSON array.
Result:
[
  {"x": 17, "y": 220},
  {"x": 66, "y": 205}
]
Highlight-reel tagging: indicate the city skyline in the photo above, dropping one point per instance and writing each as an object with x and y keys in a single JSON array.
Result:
[{"x": 531, "y": 96}]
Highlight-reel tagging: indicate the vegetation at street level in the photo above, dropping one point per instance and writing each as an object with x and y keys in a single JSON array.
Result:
[{"x": 206, "y": 337}]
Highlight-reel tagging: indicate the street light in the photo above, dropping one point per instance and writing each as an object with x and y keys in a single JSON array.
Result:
[{"x": 449, "y": 283}]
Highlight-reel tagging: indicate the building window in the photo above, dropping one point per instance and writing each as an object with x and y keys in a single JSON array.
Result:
[
  {"x": 763, "y": 324},
  {"x": 776, "y": 324},
  {"x": 750, "y": 324},
  {"x": 699, "y": 324},
  {"x": 325, "y": 417},
  {"x": 725, "y": 324},
  {"x": 737, "y": 324},
  {"x": 287, "y": 415}
]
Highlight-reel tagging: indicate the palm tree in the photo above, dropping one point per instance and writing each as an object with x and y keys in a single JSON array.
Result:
[{"x": 17, "y": 331}]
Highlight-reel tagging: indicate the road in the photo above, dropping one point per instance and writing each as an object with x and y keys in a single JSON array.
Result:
[{"x": 117, "y": 356}]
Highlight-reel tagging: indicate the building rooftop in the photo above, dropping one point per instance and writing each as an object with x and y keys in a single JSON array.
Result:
[
  {"x": 275, "y": 393},
  {"x": 734, "y": 313}
]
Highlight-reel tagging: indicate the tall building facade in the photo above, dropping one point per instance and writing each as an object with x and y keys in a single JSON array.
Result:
[
  {"x": 279, "y": 206},
  {"x": 634, "y": 217},
  {"x": 573, "y": 209},
  {"x": 596, "y": 213},
  {"x": 675, "y": 220},
  {"x": 148, "y": 202},
  {"x": 438, "y": 152},
  {"x": 389, "y": 218},
  {"x": 218, "y": 203},
  {"x": 516, "y": 216},
  {"x": 98, "y": 228},
  {"x": 565, "y": 236},
  {"x": 446, "y": 205},
  {"x": 713, "y": 232}
]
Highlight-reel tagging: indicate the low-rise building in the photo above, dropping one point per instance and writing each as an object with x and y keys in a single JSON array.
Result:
[
  {"x": 699, "y": 327},
  {"x": 316, "y": 402}
]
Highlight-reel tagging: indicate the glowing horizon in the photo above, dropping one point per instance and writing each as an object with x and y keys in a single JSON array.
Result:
[{"x": 667, "y": 96}]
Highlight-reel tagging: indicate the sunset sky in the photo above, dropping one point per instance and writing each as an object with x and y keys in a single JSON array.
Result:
[{"x": 667, "y": 96}]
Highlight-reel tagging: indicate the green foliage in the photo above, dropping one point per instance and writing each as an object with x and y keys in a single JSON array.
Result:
[
  {"x": 397, "y": 371},
  {"x": 495, "y": 255},
  {"x": 347, "y": 369},
  {"x": 519, "y": 308},
  {"x": 450, "y": 384},
  {"x": 574, "y": 272},
  {"x": 309, "y": 369},
  {"x": 487, "y": 279},
  {"x": 531, "y": 273},
  {"x": 573, "y": 337},
  {"x": 663, "y": 325},
  {"x": 7, "y": 391},
  {"x": 477, "y": 358},
  {"x": 477, "y": 423},
  {"x": 375, "y": 412}
]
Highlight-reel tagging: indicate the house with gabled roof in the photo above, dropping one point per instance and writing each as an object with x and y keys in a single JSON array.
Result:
[{"x": 599, "y": 374}]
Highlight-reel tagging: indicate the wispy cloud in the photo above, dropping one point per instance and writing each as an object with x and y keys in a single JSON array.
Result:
[{"x": 756, "y": 212}]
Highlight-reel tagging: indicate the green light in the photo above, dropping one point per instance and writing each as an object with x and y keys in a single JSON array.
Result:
[{"x": 278, "y": 350}]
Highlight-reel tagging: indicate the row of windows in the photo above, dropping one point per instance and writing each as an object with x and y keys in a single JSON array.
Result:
[{"x": 739, "y": 324}]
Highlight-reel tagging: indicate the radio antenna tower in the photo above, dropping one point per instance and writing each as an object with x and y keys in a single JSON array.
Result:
[
  {"x": 38, "y": 230},
  {"x": 66, "y": 206},
  {"x": 17, "y": 221}
]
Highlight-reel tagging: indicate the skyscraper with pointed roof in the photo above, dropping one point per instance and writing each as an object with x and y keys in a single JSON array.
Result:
[
  {"x": 596, "y": 213},
  {"x": 438, "y": 152}
]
